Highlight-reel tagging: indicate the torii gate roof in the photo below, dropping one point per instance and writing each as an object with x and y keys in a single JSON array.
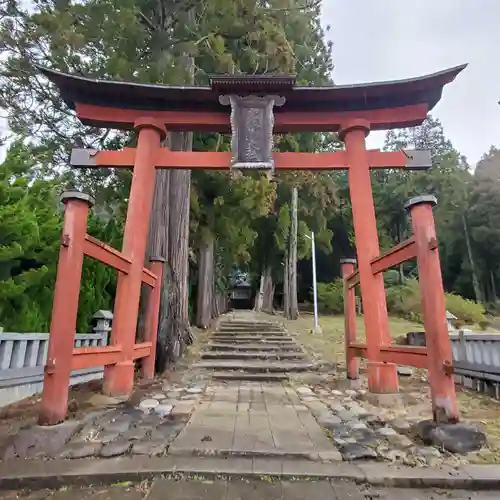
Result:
[{"x": 424, "y": 91}]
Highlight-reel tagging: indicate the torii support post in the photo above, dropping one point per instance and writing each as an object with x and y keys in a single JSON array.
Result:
[
  {"x": 54, "y": 404},
  {"x": 439, "y": 353},
  {"x": 119, "y": 378},
  {"x": 152, "y": 317},
  {"x": 352, "y": 364},
  {"x": 382, "y": 377}
]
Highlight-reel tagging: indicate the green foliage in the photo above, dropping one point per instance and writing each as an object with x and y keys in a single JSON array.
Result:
[
  {"x": 466, "y": 310},
  {"x": 331, "y": 297},
  {"x": 30, "y": 231},
  {"x": 392, "y": 277},
  {"x": 404, "y": 301},
  {"x": 156, "y": 42},
  {"x": 29, "y": 235},
  {"x": 152, "y": 41}
]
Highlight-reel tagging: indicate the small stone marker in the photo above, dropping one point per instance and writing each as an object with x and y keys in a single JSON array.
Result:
[{"x": 146, "y": 405}]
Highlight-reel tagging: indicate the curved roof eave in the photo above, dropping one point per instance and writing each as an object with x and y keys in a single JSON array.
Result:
[{"x": 109, "y": 93}]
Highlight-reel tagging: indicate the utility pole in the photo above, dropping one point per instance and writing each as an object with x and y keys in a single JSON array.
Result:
[{"x": 317, "y": 328}]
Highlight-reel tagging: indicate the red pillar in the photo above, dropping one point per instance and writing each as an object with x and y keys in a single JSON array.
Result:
[
  {"x": 54, "y": 405},
  {"x": 352, "y": 364},
  {"x": 119, "y": 378},
  {"x": 153, "y": 312},
  {"x": 439, "y": 354},
  {"x": 382, "y": 377}
]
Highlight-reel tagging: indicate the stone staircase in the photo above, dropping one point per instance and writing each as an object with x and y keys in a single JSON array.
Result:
[{"x": 253, "y": 350}]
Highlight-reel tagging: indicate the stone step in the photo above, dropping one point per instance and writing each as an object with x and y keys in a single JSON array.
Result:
[
  {"x": 278, "y": 331},
  {"x": 250, "y": 377},
  {"x": 250, "y": 327},
  {"x": 248, "y": 323},
  {"x": 252, "y": 355},
  {"x": 255, "y": 366},
  {"x": 246, "y": 332},
  {"x": 285, "y": 346},
  {"x": 251, "y": 339},
  {"x": 256, "y": 333},
  {"x": 233, "y": 324}
]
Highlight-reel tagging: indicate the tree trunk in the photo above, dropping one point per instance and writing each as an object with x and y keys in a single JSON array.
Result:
[
  {"x": 177, "y": 324},
  {"x": 401, "y": 266},
  {"x": 286, "y": 287},
  {"x": 259, "y": 297},
  {"x": 292, "y": 276},
  {"x": 158, "y": 247},
  {"x": 215, "y": 308},
  {"x": 493, "y": 286},
  {"x": 268, "y": 291},
  {"x": 475, "y": 280},
  {"x": 204, "y": 303}
]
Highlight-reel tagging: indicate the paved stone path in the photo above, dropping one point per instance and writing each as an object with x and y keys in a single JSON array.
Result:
[
  {"x": 259, "y": 419},
  {"x": 169, "y": 489},
  {"x": 249, "y": 413}
]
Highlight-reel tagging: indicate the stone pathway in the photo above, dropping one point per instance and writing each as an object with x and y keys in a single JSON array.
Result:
[
  {"x": 241, "y": 412},
  {"x": 251, "y": 418},
  {"x": 162, "y": 489},
  {"x": 251, "y": 349}
]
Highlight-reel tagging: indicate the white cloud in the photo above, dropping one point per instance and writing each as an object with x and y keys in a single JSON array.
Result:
[{"x": 391, "y": 39}]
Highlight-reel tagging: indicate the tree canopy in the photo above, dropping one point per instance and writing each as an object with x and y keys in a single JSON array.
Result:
[{"x": 234, "y": 221}]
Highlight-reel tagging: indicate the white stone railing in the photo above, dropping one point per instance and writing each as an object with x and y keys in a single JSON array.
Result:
[
  {"x": 23, "y": 356},
  {"x": 476, "y": 361}
]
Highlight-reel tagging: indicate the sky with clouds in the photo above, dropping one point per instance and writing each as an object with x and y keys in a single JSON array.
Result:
[{"x": 392, "y": 39}]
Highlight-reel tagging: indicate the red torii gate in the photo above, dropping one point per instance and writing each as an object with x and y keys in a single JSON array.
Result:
[{"x": 351, "y": 110}]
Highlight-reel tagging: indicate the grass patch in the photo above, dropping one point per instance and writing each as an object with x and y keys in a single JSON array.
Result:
[
  {"x": 474, "y": 407},
  {"x": 329, "y": 344}
]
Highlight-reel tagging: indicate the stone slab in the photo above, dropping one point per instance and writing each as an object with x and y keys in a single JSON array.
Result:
[
  {"x": 259, "y": 377},
  {"x": 187, "y": 490},
  {"x": 286, "y": 346},
  {"x": 415, "y": 477},
  {"x": 16, "y": 474},
  {"x": 233, "y": 355},
  {"x": 254, "y": 366}
]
